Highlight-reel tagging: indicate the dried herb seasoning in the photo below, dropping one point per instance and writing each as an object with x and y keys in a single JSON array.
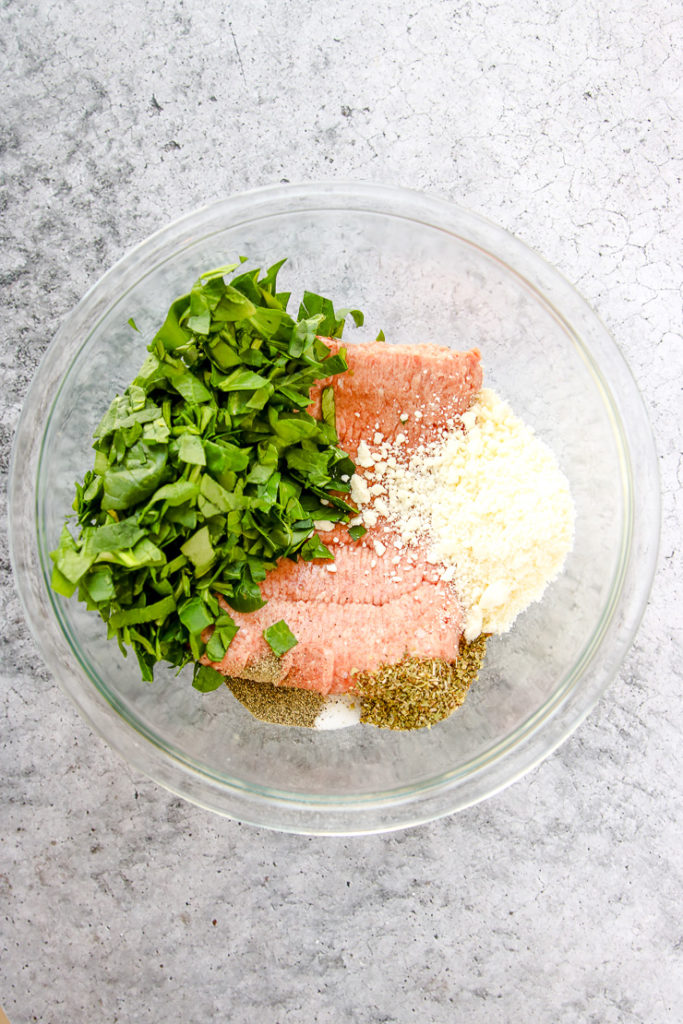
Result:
[
  {"x": 279, "y": 705},
  {"x": 416, "y": 693}
]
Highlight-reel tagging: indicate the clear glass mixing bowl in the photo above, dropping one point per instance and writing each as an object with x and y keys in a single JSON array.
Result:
[{"x": 422, "y": 270}]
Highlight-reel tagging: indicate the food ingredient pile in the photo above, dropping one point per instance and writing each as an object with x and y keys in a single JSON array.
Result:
[
  {"x": 334, "y": 533},
  {"x": 207, "y": 472},
  {"x": 489, "y": 501}
]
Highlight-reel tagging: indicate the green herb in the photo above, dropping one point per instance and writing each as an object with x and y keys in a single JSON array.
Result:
[
  {"x": 314, "y": 548},
  {"x": 208, "y": 470},
  {"x": 279, "y": 638},
  {"x": 207, "y": 679},
  {"x": 416, "y": 693},
  {"x": 356, "y": 532},
  {"x": 331, "y": 324}
]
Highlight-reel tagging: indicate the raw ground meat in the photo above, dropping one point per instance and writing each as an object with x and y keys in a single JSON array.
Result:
[{"x": 364, "y": 610}]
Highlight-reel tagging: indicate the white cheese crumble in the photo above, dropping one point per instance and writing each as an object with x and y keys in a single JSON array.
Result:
[
  {"x": 494, "y": 508},
  {"x": 360, "y": 492},
  {"x": 364, "y": 457},
  {"x": 370, "y": 517}
]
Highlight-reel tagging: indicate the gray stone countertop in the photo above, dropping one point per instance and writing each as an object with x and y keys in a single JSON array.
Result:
[{"x": 558, "y": 900}]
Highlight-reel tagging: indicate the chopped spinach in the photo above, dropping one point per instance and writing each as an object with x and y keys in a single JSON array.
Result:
[
  {"x": 279, "y": 638},
  {"x": 208, "y": 470}
]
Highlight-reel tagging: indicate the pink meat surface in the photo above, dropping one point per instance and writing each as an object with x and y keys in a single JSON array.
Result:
[
  {"x": 364, "y": 610},
  {"x": 384, "y": 382}
]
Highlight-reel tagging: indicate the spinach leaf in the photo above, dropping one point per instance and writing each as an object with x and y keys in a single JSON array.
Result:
[
  {"x": 208, "y": 470},
  {"x": 279, "y": 638},
  {"x": 207, "y": 679},
  {"x": 135, "y": 478}
]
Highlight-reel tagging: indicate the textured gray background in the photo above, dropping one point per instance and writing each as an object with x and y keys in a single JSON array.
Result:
[{"x": 560, "y": 899}]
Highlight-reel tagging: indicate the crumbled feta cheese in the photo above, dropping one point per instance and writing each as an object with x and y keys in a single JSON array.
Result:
[
  {"x": 495, "y": 509},
  {"x": 473, "y": 623},
  {"x": 495, "y": 596},
  {"x": 469, "y": 419},
  {"x": 360, "y": 492},
  {"x": 364, "y": 457}
]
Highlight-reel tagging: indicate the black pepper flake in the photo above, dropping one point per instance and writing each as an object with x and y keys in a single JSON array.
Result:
[{"x": 279, "y": 705}]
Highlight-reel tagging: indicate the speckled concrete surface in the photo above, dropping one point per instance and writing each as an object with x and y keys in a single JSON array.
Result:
[{"x": 560, "y": 899}]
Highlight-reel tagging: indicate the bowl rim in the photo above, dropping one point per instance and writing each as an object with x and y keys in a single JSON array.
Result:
[{"x": 564, "y": 709}]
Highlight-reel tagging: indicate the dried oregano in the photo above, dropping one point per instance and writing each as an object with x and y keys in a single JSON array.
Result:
[{"x": 417, "y": 692}]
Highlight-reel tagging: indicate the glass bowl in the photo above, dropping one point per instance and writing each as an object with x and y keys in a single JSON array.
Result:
[{"x": 422, "y": 270}]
